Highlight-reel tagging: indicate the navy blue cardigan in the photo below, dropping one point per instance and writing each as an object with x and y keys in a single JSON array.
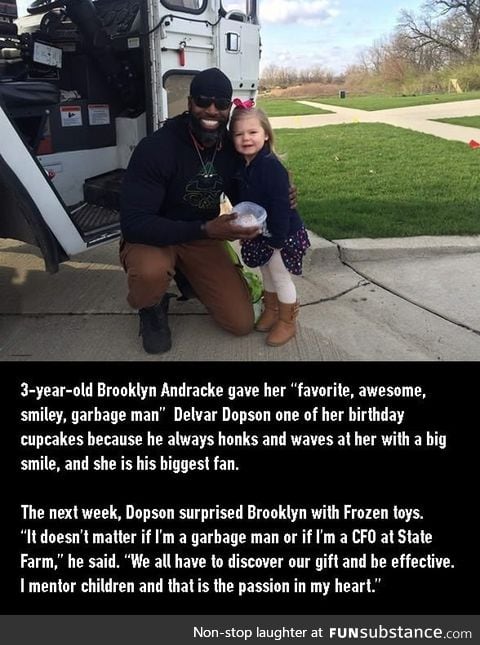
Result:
[{"x": 265, "y": 182}]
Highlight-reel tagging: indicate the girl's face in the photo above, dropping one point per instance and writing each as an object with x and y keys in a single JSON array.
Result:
[{"x": 248, "y": 136}]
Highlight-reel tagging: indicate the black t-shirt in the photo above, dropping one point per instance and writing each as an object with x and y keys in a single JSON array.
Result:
[{"x": 171, "y": 188}]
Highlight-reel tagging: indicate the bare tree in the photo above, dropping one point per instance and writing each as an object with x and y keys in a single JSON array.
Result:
[
  {"x": 274, "y": 75},
  {"x": 374, "y": 56},
  {"x": 449, "y": 28},
  {"x": 277, "y": 76}
]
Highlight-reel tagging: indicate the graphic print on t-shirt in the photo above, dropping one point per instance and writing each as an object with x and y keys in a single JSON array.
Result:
[{"x": 204, "y": 190}]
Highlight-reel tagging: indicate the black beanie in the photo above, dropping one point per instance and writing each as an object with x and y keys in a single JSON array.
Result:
[{"x": 211, "y": 82}]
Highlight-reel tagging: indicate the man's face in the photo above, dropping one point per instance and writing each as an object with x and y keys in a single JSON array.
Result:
[{"x": 208, "y": 118}]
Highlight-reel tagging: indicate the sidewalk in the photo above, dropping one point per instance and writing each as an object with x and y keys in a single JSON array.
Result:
[
  {"x": 360, "y": 300},
  {"x": 413, "y": 118}
]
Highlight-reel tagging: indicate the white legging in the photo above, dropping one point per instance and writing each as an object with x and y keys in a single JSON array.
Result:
[{"x": 277, "y": 279}]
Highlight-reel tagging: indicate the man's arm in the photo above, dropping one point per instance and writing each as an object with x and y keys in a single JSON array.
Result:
[{"x": 292, "y": 192}]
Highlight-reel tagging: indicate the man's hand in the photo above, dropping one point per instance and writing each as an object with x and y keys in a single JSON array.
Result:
[
  {"x": 292, "y": 195},
  {"x": 225, "y": 228}
]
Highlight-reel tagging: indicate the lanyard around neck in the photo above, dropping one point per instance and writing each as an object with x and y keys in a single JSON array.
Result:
[{"x": 208, "y": 169}]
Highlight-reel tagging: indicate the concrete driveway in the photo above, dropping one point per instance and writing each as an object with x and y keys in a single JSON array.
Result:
[{"x": 358, "y": 302}]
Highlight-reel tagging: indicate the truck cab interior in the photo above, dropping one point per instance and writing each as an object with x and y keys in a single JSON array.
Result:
[
  {"x": 81, "y": 83},
  {"x": 71, "y": 71}
]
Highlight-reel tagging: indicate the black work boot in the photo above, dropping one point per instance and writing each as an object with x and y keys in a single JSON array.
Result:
[{"x": 154, "y": 329}]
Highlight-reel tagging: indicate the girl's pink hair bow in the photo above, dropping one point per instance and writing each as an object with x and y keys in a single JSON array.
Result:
[{"x": 244, "y": 105}]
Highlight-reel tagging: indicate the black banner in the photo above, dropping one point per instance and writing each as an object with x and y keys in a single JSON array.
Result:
[{"x": 313, "y": 488}]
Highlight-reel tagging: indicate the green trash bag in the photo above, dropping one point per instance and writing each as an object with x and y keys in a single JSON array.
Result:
[{"x": 253, "y": 280}]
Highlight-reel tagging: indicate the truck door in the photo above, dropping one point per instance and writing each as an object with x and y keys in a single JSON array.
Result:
[
  {"x": 30, "y": 209},
  {"x": 238, "y": 45}
]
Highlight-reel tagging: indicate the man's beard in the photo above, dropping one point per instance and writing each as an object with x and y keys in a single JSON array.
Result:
[{"x": 207, "y": 138}]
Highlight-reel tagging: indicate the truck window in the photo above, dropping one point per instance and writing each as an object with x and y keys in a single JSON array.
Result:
[
  {"x": 190, "y": 6},
  {"x": 177, "y": 86},
  {"x": 242, "y": 10}
]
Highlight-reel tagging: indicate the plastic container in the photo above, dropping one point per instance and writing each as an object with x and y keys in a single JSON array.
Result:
[{"x": 250, "y": 214}]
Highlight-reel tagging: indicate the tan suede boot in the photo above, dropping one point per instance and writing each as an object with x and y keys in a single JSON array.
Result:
[
  {"x": 286, "y": 327},
  {"x": 270, "y": 312}
]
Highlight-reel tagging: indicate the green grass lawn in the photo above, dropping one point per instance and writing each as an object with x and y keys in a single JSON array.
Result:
[
  {"x": 470, "y": 121},
  {"x": 371, "y": 103},
  {"x": 287, "y": 107},
  {"x": 375, "y": 180}
]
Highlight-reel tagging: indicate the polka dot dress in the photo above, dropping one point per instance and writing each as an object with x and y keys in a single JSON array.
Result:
[{"x": 257, "y": 252}]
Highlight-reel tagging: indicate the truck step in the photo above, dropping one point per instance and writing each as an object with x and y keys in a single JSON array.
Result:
[
  {"x": 104, "y": 190},
  {"x": 96, "y": 222}
]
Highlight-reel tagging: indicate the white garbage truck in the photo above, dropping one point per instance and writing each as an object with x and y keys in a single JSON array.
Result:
[{"x": 81, "y": 82}]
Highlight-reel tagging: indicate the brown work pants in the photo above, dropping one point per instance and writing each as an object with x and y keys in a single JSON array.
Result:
[{"x": 206, "y": 264}]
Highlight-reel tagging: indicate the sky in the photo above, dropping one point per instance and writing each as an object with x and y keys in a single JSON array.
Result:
[{"x": 327, "y": 33}]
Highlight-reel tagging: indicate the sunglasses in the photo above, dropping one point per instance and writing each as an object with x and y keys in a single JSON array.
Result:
[{"x": 206, "y": 101}]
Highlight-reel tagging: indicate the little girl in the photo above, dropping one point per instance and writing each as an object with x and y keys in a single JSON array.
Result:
[{"x": 279, "y": 252}]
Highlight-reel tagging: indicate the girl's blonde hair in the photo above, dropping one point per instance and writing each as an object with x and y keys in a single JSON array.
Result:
[{"x": 238, "y": 113}]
